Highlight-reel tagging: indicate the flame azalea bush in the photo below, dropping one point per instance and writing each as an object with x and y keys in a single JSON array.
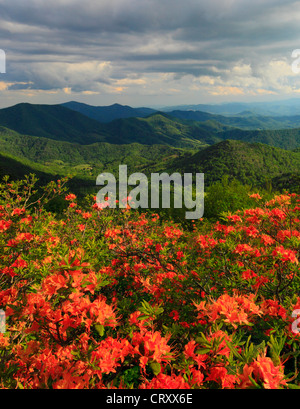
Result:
[{"x": 114, "y": 298}]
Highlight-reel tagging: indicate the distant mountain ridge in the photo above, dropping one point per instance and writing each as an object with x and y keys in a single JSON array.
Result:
[
  {"x": 288, "y": 107},
  {"x": 246, "y": 119},
  {"x": 108, "y": 113},
  {"x": 63, "y": 124}
]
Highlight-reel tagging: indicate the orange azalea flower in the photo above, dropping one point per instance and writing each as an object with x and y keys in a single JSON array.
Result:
[
  {"x": 9, "y": 271},
  {"x": 175, "y": 315},
  {"x": 4, "y": 225},
  {"x": 267, "y": 240},
  {"x": 70, "y": 381},
  {"x": 262, "y": 369},
  {"x": 197, "y": 377},
  {"x": 189, "y": 352},
  {"x": 220, "y": 374},
  {"x": 4, "y": 341},
  {"x": 71, "y": 196},
  {"x": 53, "y": 283},
  {"x": 255, "y": 196},
  {"x": 86, "y": 215},
  {"x": 281, "y": 200},
  {"x": 273, "y": 309},
  {"x": 81, "y": 227},
  {"x": 223, "y": 349},
  {"x": 285, "y": 254},
  {"x": 102, "y": 312},
  {"x": 110, "y": 354},
  {"x": 152, "y": 345},
  {"x": 18, "y": 211},
  {"x": 162, "y": 381},
  {"x": 189, "y": 349},
  {"x": 234, "y": 218},
  {"x": 248, "y": 274},
  {"x": 251, "y": 231},
  {"x": 47, "y": 260},
  {"x": 19, "y": 263},
  {"x": 243, "y": 248},
  {"x": 234, "y": 310}
]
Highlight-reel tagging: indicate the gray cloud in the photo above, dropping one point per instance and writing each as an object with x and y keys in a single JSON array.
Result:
[{"x": 150, "y": 47}]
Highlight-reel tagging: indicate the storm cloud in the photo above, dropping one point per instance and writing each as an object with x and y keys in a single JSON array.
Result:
[{"x": 148, "y": 51}]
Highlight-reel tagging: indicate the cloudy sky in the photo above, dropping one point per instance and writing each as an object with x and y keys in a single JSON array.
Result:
[{"x": 148, "y": 52}]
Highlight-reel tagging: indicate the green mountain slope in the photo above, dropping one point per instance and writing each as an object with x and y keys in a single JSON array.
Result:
[
  {"x": 159, "y": 128},
  {"x": 251, "y": 163},
  {"x": 51, "y": 121},
  {"x": 282, "y": 138},
  {"x": 85, "y": 160},
  {"x": 16, "y": 169}
]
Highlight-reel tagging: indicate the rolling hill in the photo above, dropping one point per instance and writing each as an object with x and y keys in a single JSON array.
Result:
[
  {"x": 281, "y": 138},
  {"x": 251, "y": 163},
  {"x": 88, "y": 161},
  {"x": 159, "y": 128}
]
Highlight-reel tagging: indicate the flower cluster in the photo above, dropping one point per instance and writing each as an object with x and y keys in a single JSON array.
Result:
[{"x": 108, "y": 298}]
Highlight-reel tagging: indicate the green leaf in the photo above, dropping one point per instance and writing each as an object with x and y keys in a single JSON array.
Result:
[
  {"x": 254, "y": 383},
  {"x": 100, "y": 329},
  {"x": 203, "y": 351},
  {"x": 293, "y": 386},
  {"x": 156, "y": 368}
]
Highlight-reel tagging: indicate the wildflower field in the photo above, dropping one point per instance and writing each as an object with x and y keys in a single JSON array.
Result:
[{"x": 101, "y": 298}]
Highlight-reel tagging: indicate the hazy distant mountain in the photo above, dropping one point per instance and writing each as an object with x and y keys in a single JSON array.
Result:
[
  {"x": 271, "y": 108},
  {"x": 245, "y": 120},
  {"x": 108, "y": 113}
]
